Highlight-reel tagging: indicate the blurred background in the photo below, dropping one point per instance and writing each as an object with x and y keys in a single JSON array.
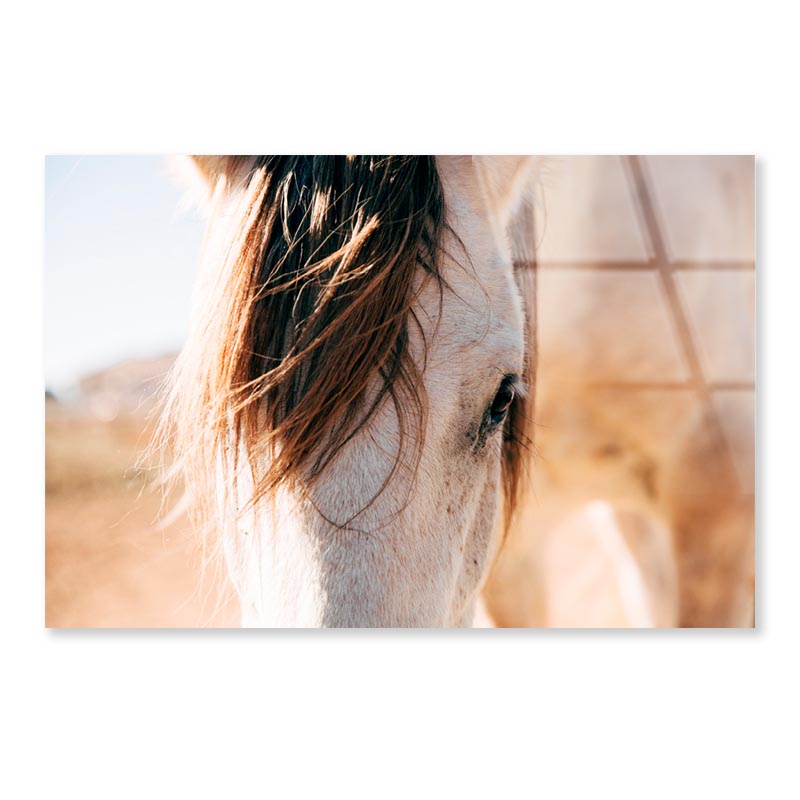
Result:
[
  {"x": 644, "y": 476},
  {"x": 121, "y": 253}
]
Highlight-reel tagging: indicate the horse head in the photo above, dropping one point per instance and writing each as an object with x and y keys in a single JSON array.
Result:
[{"x": 350, "y": 405}]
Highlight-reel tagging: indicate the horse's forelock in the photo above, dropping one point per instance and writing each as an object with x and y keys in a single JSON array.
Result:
[{"x": 312, "y": 301}]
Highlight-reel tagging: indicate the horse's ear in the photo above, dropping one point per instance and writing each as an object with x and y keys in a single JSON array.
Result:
[
  {"x": 212, "y": 168},
  {"x": 204, "y": 175},
  {"x": 505, "y": 181}
]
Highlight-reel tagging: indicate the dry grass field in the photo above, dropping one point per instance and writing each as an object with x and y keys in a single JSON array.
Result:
[{"x": 108, "y": 563}]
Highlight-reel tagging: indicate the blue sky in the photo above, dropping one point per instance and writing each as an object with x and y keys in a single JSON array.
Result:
[{"x": 120, "y": 262}]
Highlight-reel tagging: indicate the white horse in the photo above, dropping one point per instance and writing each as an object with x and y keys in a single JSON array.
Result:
[{"x": 349, "y": 409}]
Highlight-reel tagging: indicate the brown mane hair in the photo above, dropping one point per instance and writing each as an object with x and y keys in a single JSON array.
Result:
[{"x": 311, "y": 299}]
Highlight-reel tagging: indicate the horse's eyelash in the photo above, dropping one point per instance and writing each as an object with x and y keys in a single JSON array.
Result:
[{"x": 517, "y": 383}]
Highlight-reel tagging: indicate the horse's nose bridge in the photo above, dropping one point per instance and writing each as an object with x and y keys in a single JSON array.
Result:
[
  {"x": 399, "y": 575},
  {"x": 358, "y": 580}
]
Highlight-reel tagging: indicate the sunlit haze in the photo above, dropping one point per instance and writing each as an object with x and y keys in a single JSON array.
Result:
[{"x": 121, "y": 252}]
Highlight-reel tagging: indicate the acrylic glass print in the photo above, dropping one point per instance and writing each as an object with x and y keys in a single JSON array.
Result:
[{"x": 400, "y": 391}]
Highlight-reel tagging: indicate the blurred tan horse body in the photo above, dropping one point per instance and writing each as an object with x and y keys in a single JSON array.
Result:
[{"x": 642, "y": 506}]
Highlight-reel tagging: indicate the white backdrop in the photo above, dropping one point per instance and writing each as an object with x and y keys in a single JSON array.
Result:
[{"x": 379, "y": 714}]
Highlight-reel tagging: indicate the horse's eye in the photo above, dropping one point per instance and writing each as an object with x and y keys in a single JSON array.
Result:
[{"x": 502, "y": 400}]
